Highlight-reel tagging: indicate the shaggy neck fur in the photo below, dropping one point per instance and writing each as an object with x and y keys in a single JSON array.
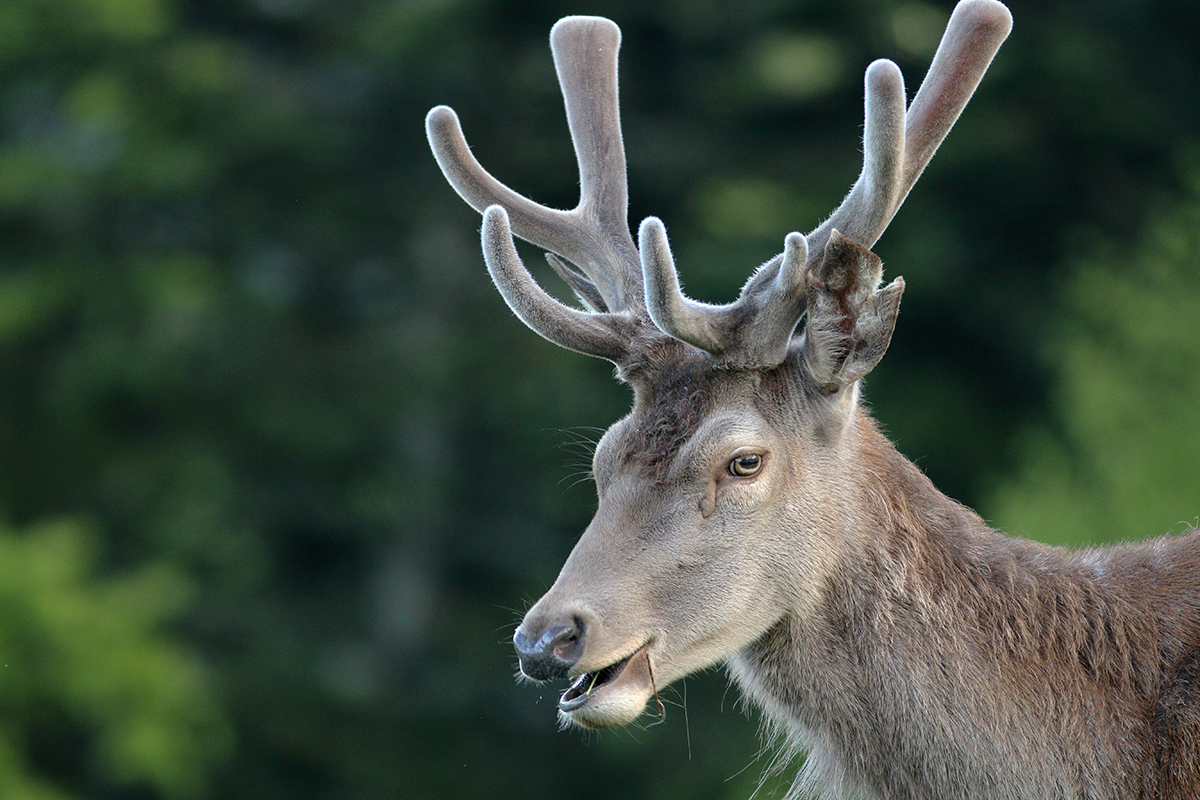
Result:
[{"x": 946, "y": 655}]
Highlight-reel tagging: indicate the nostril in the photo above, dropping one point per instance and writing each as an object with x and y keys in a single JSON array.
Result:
[{"x": 552, "y": 653}]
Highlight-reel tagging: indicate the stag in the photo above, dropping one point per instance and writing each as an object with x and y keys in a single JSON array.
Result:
[{"x": 751, "y": 512}]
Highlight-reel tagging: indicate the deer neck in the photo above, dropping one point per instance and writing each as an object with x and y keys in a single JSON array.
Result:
[
  {"x": 932, "y": 618},
  {"x": 899, "y": 540}
]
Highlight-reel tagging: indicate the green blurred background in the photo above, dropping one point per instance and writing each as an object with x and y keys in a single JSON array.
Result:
[{"x": 279, "y": 471}]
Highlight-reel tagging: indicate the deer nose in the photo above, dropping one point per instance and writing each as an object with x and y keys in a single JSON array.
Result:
[{"x": 553, "y": 653}]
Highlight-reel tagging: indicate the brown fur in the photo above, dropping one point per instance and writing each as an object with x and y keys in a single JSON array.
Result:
[
  {"x": 947, "y": 655},
  {"x": 886, "y": 629},
  {"x": 672, "y": 383},
  {"x": 750, "y": 512}
]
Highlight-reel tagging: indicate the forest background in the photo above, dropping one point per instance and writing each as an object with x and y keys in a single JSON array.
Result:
[{"x": 279, "y": 471}]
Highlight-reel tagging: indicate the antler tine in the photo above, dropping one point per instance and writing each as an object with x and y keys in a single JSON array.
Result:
[
  {"x": 975, "y": 32},
  {"x": 894, "y": 155},
  {"x": 585, "y": 58},
  {"x": 685, "y": 319},
  {"x": 873, "y": 199},
  {"x": 604, "y": 335},
  {"x": 595, "y": 235},
  {"x": 752, "y": 331}
]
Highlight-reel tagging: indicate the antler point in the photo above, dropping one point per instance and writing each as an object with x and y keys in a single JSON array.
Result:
[
  {"x": 987, "y": 14},
  {"x": 440, "y": 118},
  {"x": 496, "y": 223},
  {"x": 648, "y": 223},
  {"x": 884, "y": 70},
  {"x": 567, "y": 26}
]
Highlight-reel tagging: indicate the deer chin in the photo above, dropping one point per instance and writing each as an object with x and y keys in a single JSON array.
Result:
[{"x": 612, "y": 696}]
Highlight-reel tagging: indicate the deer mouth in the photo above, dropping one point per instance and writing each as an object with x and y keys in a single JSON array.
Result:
[{"x": 610, "y": 696}]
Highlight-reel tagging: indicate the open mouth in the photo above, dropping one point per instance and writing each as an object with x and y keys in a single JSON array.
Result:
[{"x": 631, "y": 672}]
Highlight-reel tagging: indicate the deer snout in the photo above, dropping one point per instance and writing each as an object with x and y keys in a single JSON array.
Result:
[{"x": 550, "y": 653}]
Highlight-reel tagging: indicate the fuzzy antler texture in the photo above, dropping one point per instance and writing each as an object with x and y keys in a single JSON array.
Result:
[{"x": 631, "y": 290}]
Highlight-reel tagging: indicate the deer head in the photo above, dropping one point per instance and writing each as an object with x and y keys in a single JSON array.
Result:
[{"x": 728, "y": 496}]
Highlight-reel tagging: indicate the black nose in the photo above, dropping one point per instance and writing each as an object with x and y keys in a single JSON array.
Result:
[{"x": 551, "y": 654}]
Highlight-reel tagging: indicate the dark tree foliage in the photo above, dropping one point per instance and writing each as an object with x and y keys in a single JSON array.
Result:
[{"x": 253, "y": 374}]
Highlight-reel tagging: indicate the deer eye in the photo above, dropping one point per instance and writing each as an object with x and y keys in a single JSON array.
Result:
[{"x": 746, "y": 466}]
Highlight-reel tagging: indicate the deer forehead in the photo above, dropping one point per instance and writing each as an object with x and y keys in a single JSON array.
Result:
[{"x": 694, "y": 425}]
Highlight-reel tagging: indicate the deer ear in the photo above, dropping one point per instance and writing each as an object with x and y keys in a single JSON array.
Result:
[{"x": 849, "y": 318}]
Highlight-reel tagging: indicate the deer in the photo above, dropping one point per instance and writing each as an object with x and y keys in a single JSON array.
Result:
[{"x": 752, "y": 513}]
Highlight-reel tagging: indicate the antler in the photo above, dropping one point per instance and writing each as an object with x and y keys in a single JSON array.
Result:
[
  {"x": 594, "y": 235},
  {"x": 755, "y": 329},
  {"x": 627, "y": 288}
]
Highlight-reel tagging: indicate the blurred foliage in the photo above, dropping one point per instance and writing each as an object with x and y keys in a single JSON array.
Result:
[
  {"x": 1117, "y": 459},
  {"x": 94, "y": 694},
  {"x": 315, "y": 470}
]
